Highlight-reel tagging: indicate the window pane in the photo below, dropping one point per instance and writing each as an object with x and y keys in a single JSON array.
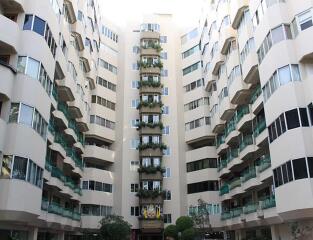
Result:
[
  {"x": 310, "y": 164},
  {"x": 19, "y": 168},
  {"x": 299, "y": 168},
  {"x": 26, "y": 115},
  {"x": 277, "y": 34},
  {"x": 32, "y": 68},
  {"x": 289, "y": 171},
  {"x": 14, "y": 112},
  {"x": 21, "y": 64},
  {"x": 292, "y": 119},
  {"x": 28, "y": 22},
  {"x": 39, "y": 26},
  {"x": 295, "y": 72},
  {"x": 284, "y": 75},
  {"x": 304, "y": 117},
  {"x": 282, "y": 123},
  {"x": 285, "y": 174},
  {"x": 6, "y": 166}
]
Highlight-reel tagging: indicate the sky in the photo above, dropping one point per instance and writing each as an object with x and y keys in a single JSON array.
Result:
[{"x": 118, "y": 11}]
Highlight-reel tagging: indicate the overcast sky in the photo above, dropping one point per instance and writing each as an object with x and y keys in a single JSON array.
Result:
[{"x": 118, "y": 11}]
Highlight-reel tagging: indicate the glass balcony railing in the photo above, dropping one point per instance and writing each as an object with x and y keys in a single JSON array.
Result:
[
  {"x": 64, "y": 109},
  {"x": 268, "y": 202},
  {"x": 265, "y": 163},
  {"x": 224, "y": 189},
  {"x": 259, "y": 128},
  {"x": 257, "y": 92},
  {"x": 57, "y": 209},
  {"x": 74, "y": 156},
  {"x": 236, "y": 212},
  {"x": 222, "y": 164},
  {"x": 241, "y": 112},
  {"x": 250, "y": 208},
  {"x": 232, "y": 154},
  {"x": 245, "y": 141},
  {"x": 231, "y": 126},
  {"x": 58, "y": 173},
  {"x": 249, "y": 175},
  {"x": 55, "y": 93},
  {"x": 226, "y": 215},
  {"x": 220, "y": 140},
  {"x": 235, "y": 183}
]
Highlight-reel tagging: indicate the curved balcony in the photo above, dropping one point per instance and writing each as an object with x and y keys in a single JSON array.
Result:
[
  {"x": 227, "y": 34},
  {"x": 7, "y": 73},
  {"x": 78, "y": 29},
  {"x": 239, "y": 92},
  {"x": 75, "y": 108},
  {"x": 216, "y": 62},
  {"x": 151, "y": 225},
  {"x": 65, "y": 88},
  {"x": 198, "y": 134},
  {"x": 85, "y": 55},
  {"x": 149, "y": 35},
  {"x": 9, "y": 35},
  {"x": 227, "y": 109},
  {"x": 100, "y": 153},
  {"x": 304, "y": 50},
  {"x": 19, "y": 201},
  {"x": 237, "y": 8},
  {"x": 249, "y": 68},
  {"x": 247, "y": 147},
  {"x": 101, "y": 132}
]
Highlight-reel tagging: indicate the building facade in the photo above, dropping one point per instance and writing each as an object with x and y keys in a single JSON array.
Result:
[{"x": 147, "y": 119}]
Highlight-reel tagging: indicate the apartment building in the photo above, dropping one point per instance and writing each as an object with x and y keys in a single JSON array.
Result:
[
  {"x": 252, "y": 58},
  {"x": 147, "y": 119}
]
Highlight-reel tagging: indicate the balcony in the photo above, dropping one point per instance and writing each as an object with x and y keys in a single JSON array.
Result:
[
  {"x": 57, "y": 209},
  {"x": 259, "y": 133},
  {"x": 149, "y": 35},
  {"x": 157, "y": 200},
  {"x": 221, "y": 144},
  {"x": 237, "y": 8},
  {"x": 217, "y": 61},
  {"x": 156, "y": 108},
  {"x": 246, "y": 146},
  {"x": 100, "y": 153},
  {"x": 150, "y": 176},
  {"x": 227, "y": 109},
  {"x": 150, "y": 70},
  {"x": 243, "y": 117},
  {"x": 150, "y": 88},
  {"x": 103, "y": 133},
  {"x": 150, "y": 152},
  {"x": 9, "y": 35},
  {"x": 250, "y": 74},
  {"x": 201, "y": 133},
  {"x": 239, "y": 92},
  {"x": 233, "y": 158},
  {"x": 150, "y": 51},
  {"x": 7, "y": 73},
  {"x": 78, "y": 29},
  {"x": 151, "y": 225},
  {"x": 224, "y": 189},
  {"x": 226, "y": 35},
  {"x": 231, "y": 132},
  {"x": 65, "y": 90}
]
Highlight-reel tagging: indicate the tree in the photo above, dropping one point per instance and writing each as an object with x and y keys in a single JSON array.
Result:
[
  {"x": 189, "y": 234},
  {"x": 183, "y": 223},
  {"x": 171, "y": 231},
  {"x": 114, "y": 227},
  {"x": 202, "y": 218}
]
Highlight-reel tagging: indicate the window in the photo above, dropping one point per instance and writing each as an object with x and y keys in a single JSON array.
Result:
[
  {"x": 134, "y": 103},
  {"x": 167, "y": 195},
  {"x": 21, "y": 113},
  {"x": 167, "y": 218},
  {"x": 167, "y": 151},
  {"x": 95, "y": 210},
  {"x": 6, "y": 166},
  {"x": 202, "y": 187},
  {"x": 299, "y": 168},
  {"x": 163, "y": 55},
  {"x": 106, "y": 84},
  {"x": 305, "y": 20},
  {"x": 134, "y": 143},
  {"x": 135, "y": 84},
  {"x": 165, "y": 91},
  {"x": 107, "y": 66},
  {"x": 165, "y": 110},
  {"x": 134, "y": 165},
  {"x": 164, "y": 72},
  {"x": 39, "y": 26},
  {"x": 190, "y": 51},
  {"x": 310, "y": 166},
  {"x": 163, "y": 39},
  {"x": 85, "y": 185},
  {"x": 134, "y": 187},
  {"x": 202, "y": 164},
  {"x": 166, "y": 130},
  {"x": 304, "y": 117},
  {"x": 35, "y": 70},
  {"x": 292, "y": 119},
  {"x": 284, "y": 75},
  {"x": 191, "y": 68},
  {"x": 167, "y": 173},
  {"x": 134, "y": 211},
  {"x": 102, "y": 122}
]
